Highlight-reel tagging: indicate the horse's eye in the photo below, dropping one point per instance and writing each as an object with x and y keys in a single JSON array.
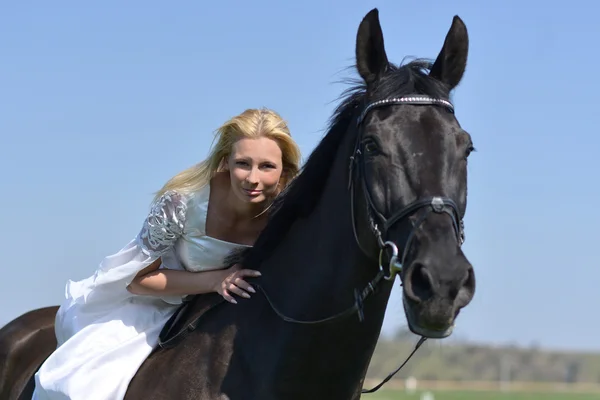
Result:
[
  {"x": 370, "y": 146},
  {"x": 470, "y": 149}
]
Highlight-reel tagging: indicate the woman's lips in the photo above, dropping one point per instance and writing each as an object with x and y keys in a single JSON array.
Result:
[{"x": 252, "y": 192}]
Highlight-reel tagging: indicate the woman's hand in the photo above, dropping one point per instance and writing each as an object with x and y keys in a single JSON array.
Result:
[{"x": 234, "y": 283}]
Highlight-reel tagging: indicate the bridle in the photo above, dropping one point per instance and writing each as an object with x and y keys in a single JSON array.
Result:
[
  {"x": 379, "y": 226},
  {"x": 436, "y": 204}
]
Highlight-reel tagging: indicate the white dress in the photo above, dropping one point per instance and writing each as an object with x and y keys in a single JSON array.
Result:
[{"x": 104, "y": 332}]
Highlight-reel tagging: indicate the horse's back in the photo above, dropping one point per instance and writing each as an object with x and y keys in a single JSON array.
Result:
[{"x": 25, "y": 343}]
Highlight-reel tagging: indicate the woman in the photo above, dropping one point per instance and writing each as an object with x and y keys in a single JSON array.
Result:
[{"x": 110, "y": 322}]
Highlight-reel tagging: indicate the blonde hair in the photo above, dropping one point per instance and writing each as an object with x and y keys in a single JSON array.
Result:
[{"x": 252, "y": 123}]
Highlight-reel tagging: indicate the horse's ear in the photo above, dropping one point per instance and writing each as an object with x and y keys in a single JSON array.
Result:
[
  {"x": 450, "y": 64},
  {"x": 371, "y": 60}
]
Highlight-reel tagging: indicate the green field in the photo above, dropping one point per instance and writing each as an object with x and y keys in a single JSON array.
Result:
[{"x": 474, "y": 395}]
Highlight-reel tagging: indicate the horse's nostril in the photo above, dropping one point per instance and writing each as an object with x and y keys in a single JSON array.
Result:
[
  {"x": 470, "y": 281},
  {"x": 420, "y": 286},
  {"x": 467, "y": 289}
]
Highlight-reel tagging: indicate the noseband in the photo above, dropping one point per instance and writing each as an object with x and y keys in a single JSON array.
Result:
[{"x": 378, "y": 223}]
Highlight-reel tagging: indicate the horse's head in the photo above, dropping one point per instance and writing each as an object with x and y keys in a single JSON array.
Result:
[{"x": 409, "y": 176}]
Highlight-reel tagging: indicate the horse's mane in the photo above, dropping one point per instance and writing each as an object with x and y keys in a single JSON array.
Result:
[{"x": 301, "y": 196}]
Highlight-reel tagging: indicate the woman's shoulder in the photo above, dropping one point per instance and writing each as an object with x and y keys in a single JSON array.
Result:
[{"x": 171, "y": 198}]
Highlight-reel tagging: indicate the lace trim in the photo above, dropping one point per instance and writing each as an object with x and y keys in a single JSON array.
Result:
[{"x": 164, "y": 223}]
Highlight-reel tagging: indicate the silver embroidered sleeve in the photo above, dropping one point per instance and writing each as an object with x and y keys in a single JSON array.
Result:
[{"x": 164, "y": 224}]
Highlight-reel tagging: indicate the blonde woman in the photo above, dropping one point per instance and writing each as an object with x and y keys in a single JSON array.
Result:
[{"x": 110, "y": 322}]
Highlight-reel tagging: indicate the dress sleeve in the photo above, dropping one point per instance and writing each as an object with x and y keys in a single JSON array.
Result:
[
  {"x": 161, "y": 228},
  {"x": 163, "y": 225}
]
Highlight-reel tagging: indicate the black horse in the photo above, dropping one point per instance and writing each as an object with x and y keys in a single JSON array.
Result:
[{"x": 384, "y": 193}]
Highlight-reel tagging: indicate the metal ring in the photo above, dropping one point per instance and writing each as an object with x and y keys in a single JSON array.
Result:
[{"x": 394, "y": 248}]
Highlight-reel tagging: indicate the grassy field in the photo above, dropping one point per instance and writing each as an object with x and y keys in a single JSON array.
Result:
[{"x": 474, "y": 395}]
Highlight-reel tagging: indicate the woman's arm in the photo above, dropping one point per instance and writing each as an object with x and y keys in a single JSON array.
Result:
[
  {"x": 166, "y": 282},
  {"x": 169, "y": 282}
]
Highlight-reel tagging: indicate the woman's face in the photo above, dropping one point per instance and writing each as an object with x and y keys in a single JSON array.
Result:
[{"x": 255, "y": 167}]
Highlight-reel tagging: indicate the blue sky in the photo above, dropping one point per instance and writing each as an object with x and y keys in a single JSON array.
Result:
[{"x": 101, "y": 103}]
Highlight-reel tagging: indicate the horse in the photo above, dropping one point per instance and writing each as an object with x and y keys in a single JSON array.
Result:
[
  {"x": 25, "y": 343},
  {"x": 383, "y": 195}
]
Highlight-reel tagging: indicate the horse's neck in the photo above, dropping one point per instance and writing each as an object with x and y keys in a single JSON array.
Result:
[
  {"x": 319, "y": 260},
  {"x": 313, "y": 274}
]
